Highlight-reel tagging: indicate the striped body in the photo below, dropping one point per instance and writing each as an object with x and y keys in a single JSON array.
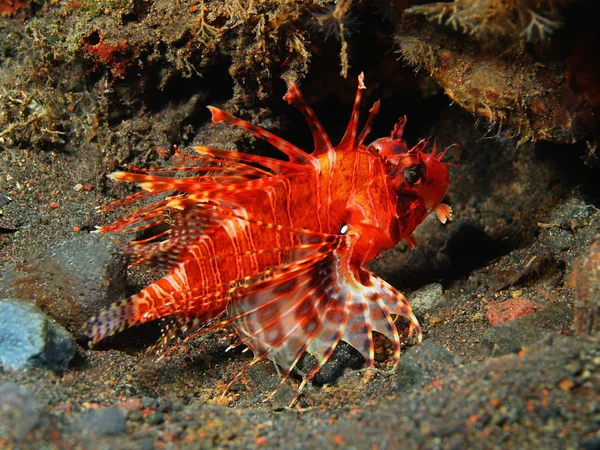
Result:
[{"x": 279, "y": 246}]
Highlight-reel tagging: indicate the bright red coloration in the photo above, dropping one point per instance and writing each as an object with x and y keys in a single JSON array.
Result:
[
  {"x": 9, "y": 8},
  {"x": 112, "y": 56},
  {"x": 509, "y": 310},
  {"x": 279, "y": 246}
]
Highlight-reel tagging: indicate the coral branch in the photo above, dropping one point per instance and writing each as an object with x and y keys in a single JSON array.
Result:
[{"x": 520, "y": 19}]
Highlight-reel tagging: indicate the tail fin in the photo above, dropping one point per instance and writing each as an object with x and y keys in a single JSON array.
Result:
[{"x": 115, "y": 318}]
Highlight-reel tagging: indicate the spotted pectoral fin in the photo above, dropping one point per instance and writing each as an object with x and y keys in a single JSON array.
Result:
[
  {"x": 323, "y": 303},
  {"x": 281, "y": 296},
  {"x": 371, "y": 302}
]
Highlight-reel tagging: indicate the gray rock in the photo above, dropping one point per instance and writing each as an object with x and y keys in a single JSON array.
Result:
[
  {"x": 72, "y": 281},
  {"x": 422, "y": 362},
  {"x": 512, "y": 337},
  {"x": 426, "y": 298},
  {"x": 4, "y": 199},
  {"x": 29, "y": 338},
  {"x": 343, "y": 357},
  {"x": 149, "y": 402},
  {"x": 507, "y": 339},
  {"x": 101, "y": 422},
  {"x": 156, "y": 418},
  {"x": 19, "y": 411}
]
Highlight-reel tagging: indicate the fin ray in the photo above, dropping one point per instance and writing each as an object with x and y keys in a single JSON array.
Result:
[
  {"x": 321, "y": 141},
  {"x": 349, "y": 138},
  {"x": 295, "y": 154}
]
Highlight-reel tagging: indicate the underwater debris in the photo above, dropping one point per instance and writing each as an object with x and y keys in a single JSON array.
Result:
[
  {"x": 334, "y": 22},
  {"x": 205, "y": 31},
  {"x": 529, "y": 91},
  {"x": 30, "y": 119},
  {"x": 520, "y": 19},
  {"x": 524, "y": 95}
]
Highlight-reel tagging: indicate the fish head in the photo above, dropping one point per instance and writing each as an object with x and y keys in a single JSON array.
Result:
[{"x": 420, "y": 179}]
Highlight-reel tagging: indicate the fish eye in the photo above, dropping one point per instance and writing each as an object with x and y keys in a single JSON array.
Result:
[{"x": 412, "y": 174}]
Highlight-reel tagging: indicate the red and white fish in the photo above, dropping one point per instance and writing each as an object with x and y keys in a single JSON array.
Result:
[{"x": 278, "y": 248}]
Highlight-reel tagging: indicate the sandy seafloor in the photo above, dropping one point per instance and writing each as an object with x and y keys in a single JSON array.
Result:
[{"x": 86, "y": 87}]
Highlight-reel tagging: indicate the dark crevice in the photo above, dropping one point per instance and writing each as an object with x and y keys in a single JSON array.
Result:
[
  {"x": 94, "y": 38},
  {"x": 131, "y": 340},
  {"x": 470, "y": 248},
  {"x": 576, "y": 167},
  {"x": 216, "y": 83}
]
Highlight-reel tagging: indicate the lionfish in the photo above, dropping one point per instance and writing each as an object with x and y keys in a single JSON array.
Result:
[{"x": 277, "y": 248}]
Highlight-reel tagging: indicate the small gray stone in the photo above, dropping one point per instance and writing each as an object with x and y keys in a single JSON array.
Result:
[
  {"x": 4, "y": 199},
  {"x": 343, "y": 357},
  {"x": 156, "y": 418},
  {"x": 422, "y": 362},
  {"x": 165, "y": 405},
  {"x": 29, "y": 338},
  {"x": 149, "y": 402},
  {"x": 146, "y": 444},
  {"x": 135, "y": 416},
  {"x": 426, "y": 298},
  {"x": 560, "y": 240},
  {"x": 102, "y": 422},
  {"x": 19, "y": 411},
  {"x": 506, "y": 339}
]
